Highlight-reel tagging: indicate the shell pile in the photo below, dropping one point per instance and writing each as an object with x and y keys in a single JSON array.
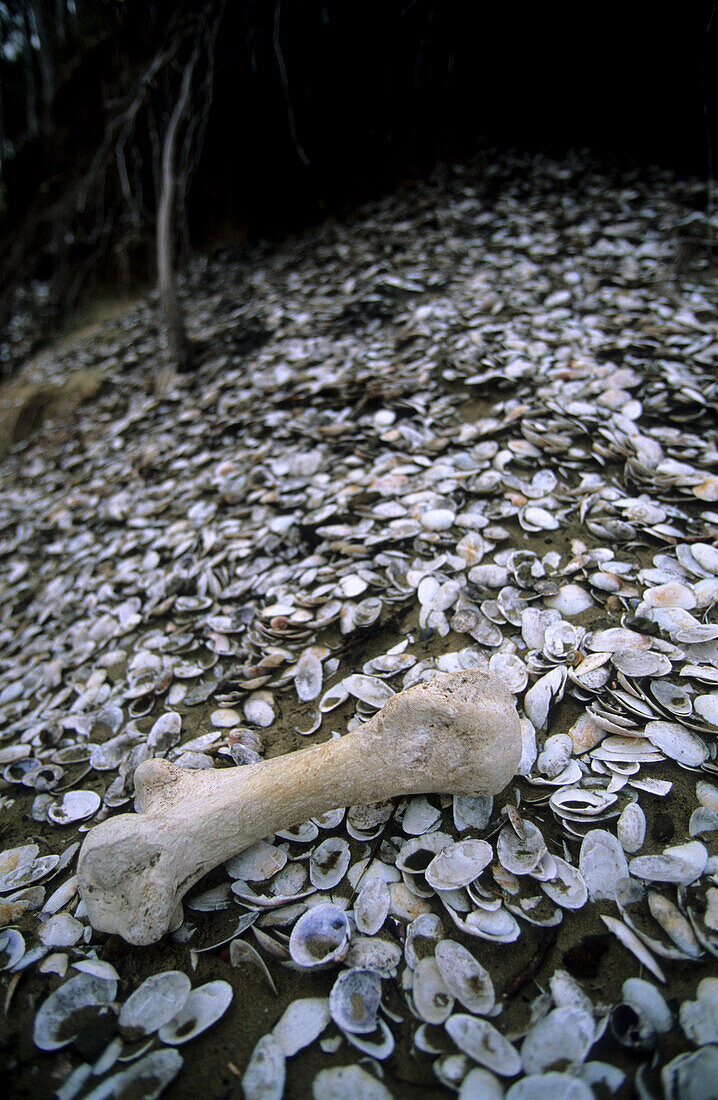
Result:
[{"x": 474, "y": 427}]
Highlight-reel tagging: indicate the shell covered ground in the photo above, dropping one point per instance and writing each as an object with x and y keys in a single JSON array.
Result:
[{"x": 472, "y": 427}]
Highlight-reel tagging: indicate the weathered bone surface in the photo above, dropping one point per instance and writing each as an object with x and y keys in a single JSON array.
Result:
[{"x": 457, "y": 734}]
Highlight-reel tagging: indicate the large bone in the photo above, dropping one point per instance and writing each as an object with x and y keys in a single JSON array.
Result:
[{"x": 457, "y": 734}]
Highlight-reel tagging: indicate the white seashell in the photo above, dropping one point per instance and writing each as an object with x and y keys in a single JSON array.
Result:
[
  {"x": 521, "y": 855},
  {"x": 472, "y": 811},
  {"x": 416, "y": 854},
  {"x": 61, "y": 930},
  {"x": 677, "y": 742},
  {"x": 706, "y": 556},
  {"x": 257, "y": 863},
  {"x": 617, "y": 638},
  {"x": 328, "y": 863},
  {"x": 550, "y": 1086},
  {"x": 438, "y": 519},
  {"x": 97, "y": 968},
  {"x": 511, "y": 670},
  {"x": 648, "y": 1001},
  {"x": 564, "y": 1035},
  {"x": 631, "y": 828},
  {"x": 369, "y": 689},
  {"x": 567, "y": 993},
  {"x": 144, "y": 1079},
  {"x": 202, "y": 1008},
  {"x": 259, "y": 708},
  {"x": 674, "y": 924},
  {"x": 371, "y": 907},
  {"x": 432, "y": 999},
  {"x": 422, "y": 936},
  {"x": 481, "y": 1041},
  {"x": 480, "y": 1084},
  {"x": 53, "y": 1027},
  {"x": 630, "y": 940},
  {"x": 496, "y": 925},
  {"x": 457, "y": 865},
  {"x": 707, "y": 795},
  {"x": 683, "y": 863},
  {"x": 555, "y": 755},
  {"x": 420, "y": 815},
  {"x": 372, "y": 953},
  {"x": 12, "y": 948},
  {"x": 154, "y": 1003},
  {"x": 691, "y": 1076},
  {"x": 671, "y": 594},
  {"x": 74, "y": 806},
  {"x": 571, "y": 599},
  {"x": 263, "y": 1079},
  {"x": 699, "y": 1018},
  {"x": 320, "y": 938},
  {"x": 465, "y": 977},
  {"x": 707, "y": 707},
  {"x": 308, "y": 677},
  {"x": 568, "y": 888},
  {"x": 528, "y": 747},
  {"x": 341, "y": 1082},
  {"x": 165, "y": 732},
  {"x": 354, "y": 1001},
  {"x": 602, "y": 864}
]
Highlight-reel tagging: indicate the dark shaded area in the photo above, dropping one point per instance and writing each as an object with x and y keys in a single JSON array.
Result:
[{"x": 322, "y": 105}]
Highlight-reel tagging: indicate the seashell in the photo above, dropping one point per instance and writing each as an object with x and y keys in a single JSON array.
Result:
[
  {"x": 61, "y": 930},
  {"x": 649, "y": 1002},
  {"x": 371, "y": 953},
  {"x": 539, "y": 698},
  {"x": 12, "y": 948},
  {"x": 706, "y": 706},
  {"x": 438, "y": 519},
  {"x": 640, "y": 662},
  {"x": 257, "y": 863},
  {"x": 369, "y": 689},
  {"x": 242, "y": 953},
  {"x": 567, "y": 888},
  {"x": 308, "y": 677},
  {"x": 564, "y": 1035},
  {"x": 674, "y": 924},
  {"x": 602, "y": 864},
  {"x": 699, "y": 1018},
  {"x": 354, "y": 1001},
  {"x": 617, "y": 638},
  {"x": 203, "y": 1007},
  {"x": 683, "y": 863},
  {"x": 550, "y": 1086},
  {"x": 630, "y": 940},
  {"x": 371, "y": 907},
  {"x": 458, "y": 864},
  {"x": 301, "y": 1023},
  {"x": 74, "y": 806},
  {"x": 555, "y": 756},
  {"x": 472, "y": 811},
  {"x": 432, "y": 998},
  {"x": 259, "y": 708},
  {"x": 480, "y": 1084},
  {"x": 691, "y": 1076},
  {"x": 496, "y": 925},
  {"x": 320, "y": 938},
  {"x": 520, "y": 855},
  {"x": 339, "y": 1082},
  {"x": 422, "y": 936},
  {"x": 328, "y": 863},
  {"x": 416, "y": 854},
  {"x": 419, "y": 816},
  {"x": 571, "y": 599},
  {"x": 481, "y": 1041},
  {"x": 145, "y": 1079},
  {"x": 60, "y": 1017},
  {"x": 154, "y": 1003},
  {"x": 464, "y": 977},
  {"x": 631, "y": 827},
  {"x": 263, "y": 1079}
]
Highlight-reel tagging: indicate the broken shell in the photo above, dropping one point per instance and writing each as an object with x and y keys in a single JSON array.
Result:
[
  {"x": 202, "y": 1008},
  {"x": 154, "y": 1003},
  {"x": 320, "y": 938},
  {"x": 699, "y": 1018},
  {"x": 354, "y": 1001},
  {"x": 143, "y": 1080}
]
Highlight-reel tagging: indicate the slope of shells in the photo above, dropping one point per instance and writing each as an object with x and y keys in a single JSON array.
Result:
[{"x": 476, "y": 426}]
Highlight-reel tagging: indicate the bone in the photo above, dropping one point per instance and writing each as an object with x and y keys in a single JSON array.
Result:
[{"x": 456, "y": 734}]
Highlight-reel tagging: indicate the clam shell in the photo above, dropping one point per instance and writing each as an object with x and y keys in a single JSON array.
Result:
[
  {"x": 328, "y": 863},
  {"x": 648, "y": 1000},
  {"x": 691, "y": 1076},
  {"x": 422, "y": 936},
  {"x": 631, "y": 828},
  {"x": 472, "y": 811},
  {"x": 481, "y": 1041},
  {"x": 320, "y": 938},
  {"x": 568, "y": 887},
  {"x": 341, "y": 1082},
  {"x": 371, "y": 907},
  {"x": 301, "y": 1023},
  {"x": 602, "y": 864},
  {"x": 60, "y": 1016},
  {"x": 564, "y": 1035},
  {"x": 465, "y": 977},
  {"x": 550, "y": 1086},
  {"x": 354, "y": 1001},
  {"x": 145, "y": 1079},
  {"x": 458, "y": 864},
  {"x": 677, "y": 742},
  {"x": 263, "y": 1079},
  {"x": 521, "y": 855},
  {"x": 74, "y": 806},
  {"x": 432, "y": 999},
  {"x": 202, "y": 1008},
  {"x": 683, "y": 863}
]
